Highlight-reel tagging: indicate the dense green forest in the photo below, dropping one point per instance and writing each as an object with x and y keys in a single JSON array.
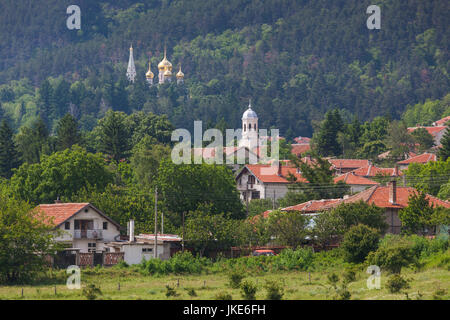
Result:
[{"x": 295, "y": 59}]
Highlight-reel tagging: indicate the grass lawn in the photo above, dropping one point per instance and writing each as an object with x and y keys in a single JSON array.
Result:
[{"x": 296, "y": 286}]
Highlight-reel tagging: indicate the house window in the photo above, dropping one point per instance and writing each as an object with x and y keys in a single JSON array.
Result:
[
  {"x": 251, "y": 179},
  {"x": 77, "y": 224},
  {"x": 92, "y": 247},
  {"x": 255, "y": 195},
  {"x": 147, "y": 250},
  {"x": 105, "y": 225},
  {"x": 67, "y": 225},
  {"x": 249, "y": 127}
]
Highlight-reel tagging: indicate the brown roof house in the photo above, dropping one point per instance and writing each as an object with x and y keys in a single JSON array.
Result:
[{"x": 83, "y": 226}]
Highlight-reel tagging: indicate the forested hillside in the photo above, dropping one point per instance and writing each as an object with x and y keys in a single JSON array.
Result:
[{"x": 295, "y": 59}]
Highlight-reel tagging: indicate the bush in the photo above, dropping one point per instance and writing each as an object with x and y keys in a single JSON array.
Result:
[
  {"x": 396, "y": 283},
  {"x": 349, "y": 275},
  {"x": 359, "y": 241},
  {"x": 180, "y": 263},
  {"x": 223, "y": 296},
  {"x": 248, "y": 290},
  {"x": 171, "y": 292},
  {"x": 392, "y": 256},
  {"x": 333, "y": 279},
  {"x": 91, "y": 291},
  {"x": 191, "y": 292},
  {"x": 300, "y": 259},
  {"x": 235, "y": 279},
  {"x": 274, "y": 290}
]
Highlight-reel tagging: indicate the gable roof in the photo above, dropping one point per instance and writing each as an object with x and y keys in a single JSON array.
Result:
[
  {"x": 61, "y": 212},
  {"x": 299, "y": 149},
  {"x": 442, "y": 121},
  {"x": 421, "y": 158},
  {"x": 379, "y": 196},
  {"x": 352, "y": 179},
  {"x": 311, "y": 206},
  {"x": 372, "y": 171},
  {"x": 431, "y": 130},
  {"x": 349, "y": 163},
  {"x": 269, "y": 174}
]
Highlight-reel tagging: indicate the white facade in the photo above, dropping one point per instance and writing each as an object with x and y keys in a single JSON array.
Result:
[
  {"x": 250, "y": 186},
  {"x": 92, "y": 233}
]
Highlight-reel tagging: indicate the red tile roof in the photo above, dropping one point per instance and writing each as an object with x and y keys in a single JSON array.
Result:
[
  {"x": 431, "y": 130},
  {"x": 442, "y": 121},
  {"x": 299, "y": 149},
  {"x": 311, "y": 206},
  {"x": 372, "y": 171},
  {"x": 349, "y": 163},
  {"x": 269, "y": 174},
  {"x": 302, "y": 140},
  {"x": 353, "y": 179},
  {"x": 421, "y": 158},
  {"x": 379, "y": 196},
  {"x": 60, "y": 212}
]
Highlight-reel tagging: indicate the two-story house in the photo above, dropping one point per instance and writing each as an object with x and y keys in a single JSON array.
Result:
[{"x": 82, "y": 225}]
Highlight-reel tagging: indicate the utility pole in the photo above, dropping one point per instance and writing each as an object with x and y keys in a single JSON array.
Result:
[
  {"x": 273, "y": 201},
  {"x": 155, "y": 250},
  {"x": 246, "y": 198},
  {"x": 182, "y": 239},
  {"x": 162, "y": 222}
]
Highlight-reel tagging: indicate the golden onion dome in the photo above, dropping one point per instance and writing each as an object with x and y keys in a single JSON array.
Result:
[
  {"x": 180, "y": 74},
  {"x": 165, "y": 64},
  {"x": 149, "y": 74},
  {"x": 167, "y": 73}
]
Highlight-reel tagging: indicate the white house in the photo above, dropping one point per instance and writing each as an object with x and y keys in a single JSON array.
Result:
[
  {"x": 82, "y": 225},
  {"x": 142, "y": 247},
  {"x": 264, "y": 181}
]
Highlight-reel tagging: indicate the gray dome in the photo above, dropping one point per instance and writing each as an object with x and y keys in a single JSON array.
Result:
[{"x": 249, "y": 114}]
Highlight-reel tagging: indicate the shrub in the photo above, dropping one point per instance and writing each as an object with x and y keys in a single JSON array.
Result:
[
  {"x": 91, "y": 291},
  {"x": 223, "y": 296},
  {"x": 191, "y": 292},
  {"x": 396, "y": 283},
  {"x": 274, "y": 290},
  {"x": 333, "y": 279},
  {"x": 248, "y": 290},
  {"x": 342, "y": 293},
  {"x": 235, "y": 279},
  {"x": 122, "y": 264},
  {"x": 439, "y": 294},
  {"x": 349, "y": 275},
  {"x": 359, "y": 241},
  {"x": 288, "y": 259},
  {"x": 171, "y": 292},
  {"x": 392, "y": 256}
]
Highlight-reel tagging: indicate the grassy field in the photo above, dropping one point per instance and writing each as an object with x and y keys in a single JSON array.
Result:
[{"x": 296, "y": 286}]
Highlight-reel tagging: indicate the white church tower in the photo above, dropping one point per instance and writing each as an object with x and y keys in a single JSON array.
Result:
[
  {"x": 131, "y": 70},
  {"x": 249, "y": 129}
]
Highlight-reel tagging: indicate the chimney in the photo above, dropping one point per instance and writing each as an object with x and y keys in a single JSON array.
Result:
[
  {"x": 131, "y": 228},
  {"x": 57, "y": 200},
  {"x": 393, "y": 192},
  {"x": 279, "y": 168},
  {"x": 396, "y": 170}
]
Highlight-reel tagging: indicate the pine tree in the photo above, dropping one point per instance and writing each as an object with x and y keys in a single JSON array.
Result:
[
  {"x": 326, "y": 140},
  {"x": 67, "y": 132},
  {"x": 444, "y": 151},
  {"x": 9, "y": 158}
]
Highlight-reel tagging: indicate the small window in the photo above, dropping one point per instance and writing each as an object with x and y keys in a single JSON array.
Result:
[
  {"x": 245, "y": 127},
  {"x": 92, "y": 247},
  {"x": 255, "y": 195},
  {"x": 147, "y": 250},
  {"x": 249, "y": 127},
  {"x": 77, "y": 224},
  {"x": 105, "y": 225},
  {"x": 67, "y": 225},
  {"x": 251, "y": 179}
]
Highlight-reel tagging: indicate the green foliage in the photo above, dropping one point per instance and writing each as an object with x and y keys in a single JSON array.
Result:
[
  {"x": 423, "y": 138},
  {"x": 180, "y": 263},
  {"x": 24, "y": 232},
  {"x": 236, "y": 278},
  {"x": 191, "y": 292},
  {"x": 288, "y": 259},
  {"x": 91, "y": 291},
  {"x": 274, "y": 290},
  {"x": 396, "y": 283},
  {"x": 258, "y": 206},
  {"x": 248, "y": 290},
  {"x": 428, "y": 177},
  {"x": 9, "y": 156},
  {"x": 349, "y": 275},
  {"x": 223, "y": 296},
  {"x": 171, "y": 292},
  {"x": 185, "y": 187},
  {"x": 359, "y": 241},
  {"x": 418, "y": 215},
  {"x": 426, "y": 113},
  {"x": 288, "y": 227},
  {"x": 67, "y": 132},
  {"x": 63, "y": 173},
  {"x": 444, "y": 150},
  {"x": 393, "y": 254},
  {"x": 326, "y": 138}
]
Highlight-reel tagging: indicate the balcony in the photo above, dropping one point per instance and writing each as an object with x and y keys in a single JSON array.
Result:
[{"x": 88, "y": 234}]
